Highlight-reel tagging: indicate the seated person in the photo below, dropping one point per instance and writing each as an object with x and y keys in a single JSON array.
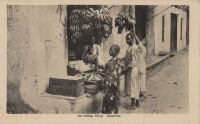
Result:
[
  {"x": 90, "y": 57},
  {"x": 96, "y": 51}
]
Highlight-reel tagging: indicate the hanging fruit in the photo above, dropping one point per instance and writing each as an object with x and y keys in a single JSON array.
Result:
[
  {"x": 104, "y": 10},
  {"x": 97, "y": 25},
  {"x": 74, "y": 28},
  {"x": 87, "y": 21},
  {"x": 86, "y": 28},
  {"x": 102, "y": 16},
  {"x": 118, "y": 21},
  {"x": 77, "y": 35},
  {"x": 76, "y": 12}
]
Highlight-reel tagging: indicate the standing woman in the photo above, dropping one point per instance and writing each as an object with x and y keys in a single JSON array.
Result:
[{"x": 131, "y": 84}]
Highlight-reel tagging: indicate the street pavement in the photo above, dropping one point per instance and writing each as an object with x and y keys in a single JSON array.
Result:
[{"x": 167, "y": 91}]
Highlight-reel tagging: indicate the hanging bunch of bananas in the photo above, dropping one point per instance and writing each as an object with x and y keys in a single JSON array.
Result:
[
  {"x": 127, "y": 22},
  {"x": 102, "y": 16},
  {"x": 86, "y": 21},
  {"x": 86, "y": 15},
  {"x": 75, "y": 20},
  {"x": 74, "y": 28},
  {"x": 75, "y": 17},
  {"x": 76, "y": 35},
  {"x": 87, "y": 29},
  {"x": 103, "y": 21}
]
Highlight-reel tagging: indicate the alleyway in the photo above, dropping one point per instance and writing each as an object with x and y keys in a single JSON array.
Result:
[{"x": 167, "y": 92}]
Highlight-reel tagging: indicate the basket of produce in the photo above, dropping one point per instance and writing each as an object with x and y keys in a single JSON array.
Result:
[{"x": 93, "y": 83}]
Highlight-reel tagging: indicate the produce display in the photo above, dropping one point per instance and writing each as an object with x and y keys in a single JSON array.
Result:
[
  {"x": 83, "y": 22},
  {"x": 93, "y": 83},
  {"x": 93, "y": 77}
]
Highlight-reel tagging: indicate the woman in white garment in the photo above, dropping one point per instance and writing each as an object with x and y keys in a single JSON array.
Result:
[
  {"x": 96, "y": 51},
  {"x": 131, "y": 84}
]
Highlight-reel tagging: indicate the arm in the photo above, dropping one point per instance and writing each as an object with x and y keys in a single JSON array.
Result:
[
  {"x": 99, "y": 52},
  {"x": 137, "y": 39},
  {"x": 143, "y": 49}
]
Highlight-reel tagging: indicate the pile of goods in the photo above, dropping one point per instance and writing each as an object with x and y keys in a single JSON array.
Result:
[
  {"x": 84, "y": 22},
  {"x": 93, "y": 83}
]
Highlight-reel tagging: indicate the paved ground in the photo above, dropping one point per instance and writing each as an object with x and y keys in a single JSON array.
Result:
[{"x": 167, "y": 91}]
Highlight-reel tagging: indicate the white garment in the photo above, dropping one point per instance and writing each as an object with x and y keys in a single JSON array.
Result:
[
  {"x": 141, "y": 79},
  {"x": 97, "y": 51},
  {"x": 131, "y": 83}
]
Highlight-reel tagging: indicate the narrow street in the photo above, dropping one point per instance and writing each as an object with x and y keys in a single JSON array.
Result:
[{"x": 167, "y": 91}]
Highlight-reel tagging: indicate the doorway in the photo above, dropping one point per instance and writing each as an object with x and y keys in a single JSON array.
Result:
[
  {"x": 173, "y": 34},
  {"x": 141, "y": 17}
]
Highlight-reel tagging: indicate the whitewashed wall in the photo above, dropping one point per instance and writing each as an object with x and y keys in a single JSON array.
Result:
[
  {"x": 36, "y": 46},
  {"x": 156, "y": 29}
]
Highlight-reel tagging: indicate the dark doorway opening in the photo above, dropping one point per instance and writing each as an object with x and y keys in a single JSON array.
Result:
[
  {"x": 173, "y": 34},
  {"x": 141, "y": 17}
]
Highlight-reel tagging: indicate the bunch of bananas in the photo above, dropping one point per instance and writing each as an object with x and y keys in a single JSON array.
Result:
[
  {"x": 103, "y": 21},
  {"x": 86, "y": 18},
  {"x": 97, "y": 25},
  {"x": 75, "y": 21},
  {"x": 102, "y": 16},
  {"x": 87, "y": 28},
  {"x": 75, "y": 17},
  {"x": 76, "y": 35},
  {"x": 74, "y": 28},
  {"x": 83, "y": 22},
  {"x": 86, "y": 15},
  {"x": 76, "y": 12}
]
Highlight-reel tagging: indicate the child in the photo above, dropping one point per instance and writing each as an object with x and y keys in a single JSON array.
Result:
[
  {"x": 112, "y": 72},
  {"x": 141, "y": 66},
  {"x": 131, "y": 84}
]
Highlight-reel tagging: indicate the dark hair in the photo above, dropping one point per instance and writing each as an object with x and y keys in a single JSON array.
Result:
[
  {"x": 90, "y": 48},
  {"x": 130, "y": 34},
  {"x": 116, "y": 47}
]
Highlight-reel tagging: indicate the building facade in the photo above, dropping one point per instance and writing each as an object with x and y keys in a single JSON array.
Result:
[{"x": 166, "y": 28}]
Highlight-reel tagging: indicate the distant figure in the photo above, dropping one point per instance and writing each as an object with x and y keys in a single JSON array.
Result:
[{"x": 112, "y": 72}]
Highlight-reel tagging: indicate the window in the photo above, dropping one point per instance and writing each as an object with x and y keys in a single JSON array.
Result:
[
  {"x": 163, "y": 28},
  {"x": 181, "y": 36}
]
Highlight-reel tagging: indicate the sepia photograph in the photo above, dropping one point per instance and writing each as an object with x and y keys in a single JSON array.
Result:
[{"x": 98, "y": 59}]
